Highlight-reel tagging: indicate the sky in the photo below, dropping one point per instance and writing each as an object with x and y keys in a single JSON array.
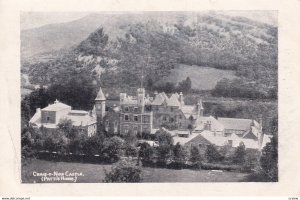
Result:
[{"x": 31, "y": 20}]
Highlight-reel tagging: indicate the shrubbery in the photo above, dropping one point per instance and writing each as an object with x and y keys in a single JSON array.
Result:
[
  {"x": 241, "y": 88},
  {"x": 123, "y": 171},
  {"x": 63, "y": 146}
]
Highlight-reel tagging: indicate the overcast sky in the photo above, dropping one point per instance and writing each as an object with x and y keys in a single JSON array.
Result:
[{"x": 36, "y": 19}]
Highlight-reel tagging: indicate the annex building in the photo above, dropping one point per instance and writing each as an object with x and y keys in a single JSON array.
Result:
[{"x": 50, "y": 116}]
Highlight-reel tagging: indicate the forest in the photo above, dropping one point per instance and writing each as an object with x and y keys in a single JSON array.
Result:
[{"x": 248, "y": 47}]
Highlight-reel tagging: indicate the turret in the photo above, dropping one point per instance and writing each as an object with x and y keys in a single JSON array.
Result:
[{"x": 100, "y": 104}]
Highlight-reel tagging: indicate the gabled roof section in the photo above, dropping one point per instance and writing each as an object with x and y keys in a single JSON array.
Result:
[
  {"x": 57, "y": 106},
  {"x": 189, "y": 110},
  {"x": 100, "y": 95},
  {"x": 235, "y": 123},
  {"x": 173, "y": 101},
  {"x": 159, "y": 99},
  {"x": 215, "y": 124},
  {"x": 176, "y": 95},
  {"x": 36, "y": 118},
  {"x": 164, "y": 95}
]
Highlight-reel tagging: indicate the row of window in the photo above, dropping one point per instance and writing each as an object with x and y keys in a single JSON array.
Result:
[
  {"x": 157, "y": 108},
  {"x": 136, "y": 118},
  {"x": 135, "y": 129},
  {"x": 170, "y": 119},
  {"x": 136, "y": 109}
]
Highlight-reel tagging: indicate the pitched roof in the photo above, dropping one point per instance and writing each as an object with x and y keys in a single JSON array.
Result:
[
  {"x": 164, "y": 95},
  {"x": 222, "y": 140},
  {"x": 100, "y": 95},
  {"x": 56, "y": 106},
  {"x": 235, "y": 123},
  {"x": 176, "y": 94},
  {"x": 36, "y": 118},
  {"x": 215, "y": 124},
  {"x": 188, "y": 110},
  {"x": 159, "y": 99},
  {"x": 173, "y": 101}
]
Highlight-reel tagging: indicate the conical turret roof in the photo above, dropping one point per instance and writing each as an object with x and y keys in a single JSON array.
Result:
[{"x": 100, "y": 96}]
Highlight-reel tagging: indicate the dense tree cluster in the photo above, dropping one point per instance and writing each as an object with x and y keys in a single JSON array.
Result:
[
  {"x": 95, "y": 44},
  {"x": 268, "y": 170},
  {"x": 244, "y": 89},
  {"x": 248, "y": 47}
]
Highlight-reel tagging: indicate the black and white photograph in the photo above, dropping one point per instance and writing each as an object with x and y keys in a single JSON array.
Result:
[{"x": 149, "y": 96}]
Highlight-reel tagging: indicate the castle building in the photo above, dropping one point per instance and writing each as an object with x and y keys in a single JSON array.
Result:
[
  {"x": 135, "y": 113},
  {"x": 144, "y": 114},
  {"x": 186, "y": 123}
]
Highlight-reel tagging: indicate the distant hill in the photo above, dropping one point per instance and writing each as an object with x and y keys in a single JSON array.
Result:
[
  {"x": 115, "y": 48},
  {"x": 54, "y": 37}
]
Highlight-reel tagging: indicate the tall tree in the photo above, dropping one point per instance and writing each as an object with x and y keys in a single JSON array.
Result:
[
  {"x": 240, "y": 154},
  {"x": 212, "y": 154},
  {"x": 195, "y": 155},
  {"x": 269, "y": 159}
]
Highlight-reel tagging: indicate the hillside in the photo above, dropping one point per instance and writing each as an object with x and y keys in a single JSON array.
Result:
[
  {"x": 53, "y": 37},
  {"x": 126, "y": 46},
  {"x": 203, "y": 78}
]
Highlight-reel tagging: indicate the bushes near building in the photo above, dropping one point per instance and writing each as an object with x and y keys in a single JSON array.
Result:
[
  {"x": 124, "y": 171},
  {"x": 60, "y": 145},
  {"x": 212, "y": 154}
]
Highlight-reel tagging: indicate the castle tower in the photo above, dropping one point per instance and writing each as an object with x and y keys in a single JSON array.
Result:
[
  {"x": 100, "y": 104},
  {"x": 141, "y": 98},
  {"x": 200, "y": 108}
]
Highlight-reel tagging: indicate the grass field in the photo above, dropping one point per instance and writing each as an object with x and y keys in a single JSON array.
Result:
[
  {"x": 94, "y": 173},
  {"x": 203, "y": 78}
]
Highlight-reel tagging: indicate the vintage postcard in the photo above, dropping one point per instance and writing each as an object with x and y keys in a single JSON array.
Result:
[{"x": 151, "y": 96}]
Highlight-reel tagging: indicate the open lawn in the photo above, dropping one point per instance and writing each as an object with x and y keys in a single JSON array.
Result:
[
  {"x": 203, "y": 78},
  {"x": 94, "y": 173}
]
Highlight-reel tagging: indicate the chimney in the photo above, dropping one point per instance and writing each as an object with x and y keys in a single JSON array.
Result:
[
  {"x": 260, "y": 122},
  {"x": 181, "y": 99},
  {"x": 200, "y": 108},
  {"x": 38, "y": 110}
]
